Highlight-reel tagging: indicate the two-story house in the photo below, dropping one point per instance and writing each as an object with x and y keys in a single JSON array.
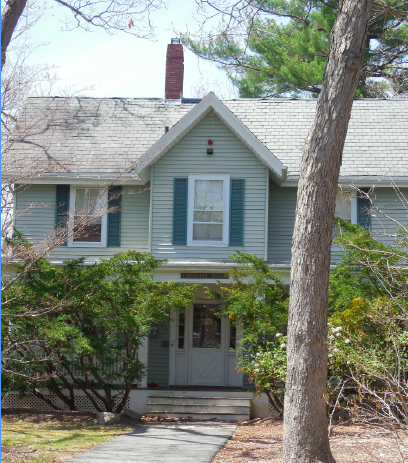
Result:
[{"x": 199, "y": 179}]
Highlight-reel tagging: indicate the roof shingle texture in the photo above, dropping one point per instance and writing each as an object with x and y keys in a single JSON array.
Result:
[{"x": 103, "y": 135}]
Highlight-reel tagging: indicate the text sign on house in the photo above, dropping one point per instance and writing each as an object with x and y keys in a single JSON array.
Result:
[{"x": 210, "y": 276}]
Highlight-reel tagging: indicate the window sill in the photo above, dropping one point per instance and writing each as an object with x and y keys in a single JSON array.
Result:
[
  {"x": 86, "y": 245},
  {"x": 207, "y": 244}
]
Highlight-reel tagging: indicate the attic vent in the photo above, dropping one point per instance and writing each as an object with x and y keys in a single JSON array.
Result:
[{"x": 166, "y": 128}]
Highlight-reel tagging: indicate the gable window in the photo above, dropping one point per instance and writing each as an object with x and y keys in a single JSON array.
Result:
[
  {"x": 88, "y": 213},
  {"x": 208, "y": 210}
]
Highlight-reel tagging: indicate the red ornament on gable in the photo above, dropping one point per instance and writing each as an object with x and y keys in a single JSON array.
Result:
[{"x": 210, "y": 142}]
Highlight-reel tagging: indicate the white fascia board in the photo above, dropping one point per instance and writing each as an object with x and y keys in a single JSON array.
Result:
[
  {"x": 192, "y": 118},
  {"x": 79, "y": 179},
  {"x": 361, "y": 181}
]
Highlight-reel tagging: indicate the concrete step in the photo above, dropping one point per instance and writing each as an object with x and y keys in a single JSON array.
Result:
[
  {"x": 202, "y": 416},
  {"x": 198, "y": 408},
  {"x": 224, "y": 408},
  {"x": 160, "y": 399}
]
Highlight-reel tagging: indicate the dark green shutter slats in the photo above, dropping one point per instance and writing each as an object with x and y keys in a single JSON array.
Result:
[
  {"x": 363, "y": 215},
  {"x": 114, "y": 201},
  {"x": 180, "y": 211},
  {"x": 62, "y": 207},
  {"x": 236, "y": 231}
]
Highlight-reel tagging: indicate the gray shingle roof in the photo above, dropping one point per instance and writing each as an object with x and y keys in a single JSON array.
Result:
[{"x": 102, "y": 135}]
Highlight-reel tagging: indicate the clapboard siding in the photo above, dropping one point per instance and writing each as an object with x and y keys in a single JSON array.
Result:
[
  {"x": 281, "y": 220},
  {"x": 39, "y": 221},
  {"x": 189, "y": 156},
  {"x": 158, "y": 357},
  {"x": 35, "y": 211},
  {"x": 386, "y": 199}
]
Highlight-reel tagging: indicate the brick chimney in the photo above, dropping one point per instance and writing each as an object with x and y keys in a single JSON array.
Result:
[{"x": 174, "y": 71}]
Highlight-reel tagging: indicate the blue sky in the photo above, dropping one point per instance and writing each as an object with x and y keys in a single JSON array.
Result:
[{"x": 121, "y": 65}]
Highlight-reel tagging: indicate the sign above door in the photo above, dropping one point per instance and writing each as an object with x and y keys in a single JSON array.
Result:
[{"x": 204, "y": 276}]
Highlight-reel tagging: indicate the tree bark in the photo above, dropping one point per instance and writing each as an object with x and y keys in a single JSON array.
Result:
[
  {"x": 305, "y": 415},
  {"x": 9, "y": 19}
]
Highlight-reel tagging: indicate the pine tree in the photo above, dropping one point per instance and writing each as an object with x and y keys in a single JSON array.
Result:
[{"x": 282, "y": 49}]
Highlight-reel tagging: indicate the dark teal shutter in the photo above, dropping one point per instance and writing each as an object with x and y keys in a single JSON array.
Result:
[
  {"x": 62, "y": 207},
  {"x": 114, "y": 201},
  {"x": 236, "y": 231},
  {"x": 363, "y": 214},
  {"x": 180, "y": 211}
]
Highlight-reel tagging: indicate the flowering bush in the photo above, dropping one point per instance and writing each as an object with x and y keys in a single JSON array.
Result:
[
  {"x": 368, "y": 336},
  {"x": 267, "y": 370}
]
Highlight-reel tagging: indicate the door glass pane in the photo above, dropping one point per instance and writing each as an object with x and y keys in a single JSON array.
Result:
[
  {"x": 233, "y": 337},
  {"x": 206, "y": 326},
  {"x": 182, "y": 318}
]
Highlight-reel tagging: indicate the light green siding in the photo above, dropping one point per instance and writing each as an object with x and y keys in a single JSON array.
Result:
[
  {"x": 386, "y": 199},
  {"x": 158, "y": 357},
  {"x": 281, "y": 220},
  {"x": 39, "y": 221},
  {"x": 189, "y": 156},
  {"x": 35, "y": 211}
]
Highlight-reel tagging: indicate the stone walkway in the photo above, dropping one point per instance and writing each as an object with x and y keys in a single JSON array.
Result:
[{"x": 162, "y": 443}]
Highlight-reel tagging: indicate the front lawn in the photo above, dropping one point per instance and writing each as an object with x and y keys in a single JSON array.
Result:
[{"x": 41, "y": 436}]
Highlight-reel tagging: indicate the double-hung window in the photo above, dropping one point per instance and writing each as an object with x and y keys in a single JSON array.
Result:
[
  {"x": 88, "y": 207},
  {"x": 346, "y": 206},
  {"x": 208, "y": 210}
]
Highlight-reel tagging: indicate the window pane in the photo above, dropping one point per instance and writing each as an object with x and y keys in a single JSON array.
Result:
[
  {"x": 88, "y": 230},
  {"x": 207, "y": 232},
  {"x": 207, "y": 216},
  {"x": 343, "y": 206},
  {"x": 208, "y": 195},
  {"x": 206, "y": 326}
]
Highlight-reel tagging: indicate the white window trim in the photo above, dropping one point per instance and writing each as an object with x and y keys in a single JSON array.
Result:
[
  {"x": 353, "y": 207},
  {"x": 225, "y": 219},
  {"x": 104, "y": 223}
]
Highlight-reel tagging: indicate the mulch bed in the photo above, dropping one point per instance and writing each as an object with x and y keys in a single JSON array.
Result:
[
  {"x": 260, "y": 441},
  {"x": 17, "y": 452}
]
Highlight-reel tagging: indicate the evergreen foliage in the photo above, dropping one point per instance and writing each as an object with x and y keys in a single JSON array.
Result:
[
  {"x": 88, "y": 323},
  {"x": 278, "y": 48}
]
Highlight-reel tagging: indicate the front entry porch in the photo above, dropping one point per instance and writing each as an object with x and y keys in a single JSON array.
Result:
[{"x": 203, "y": 348}]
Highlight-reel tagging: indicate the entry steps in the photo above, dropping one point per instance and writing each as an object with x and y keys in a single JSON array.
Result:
[{"x": 223, "y": 408}]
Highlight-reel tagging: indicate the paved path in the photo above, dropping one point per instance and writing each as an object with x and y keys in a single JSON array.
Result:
[{"x": 162, "y": 443}]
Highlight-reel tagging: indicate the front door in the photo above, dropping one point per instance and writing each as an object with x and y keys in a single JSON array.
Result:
[{"x": 208, "y": 346}]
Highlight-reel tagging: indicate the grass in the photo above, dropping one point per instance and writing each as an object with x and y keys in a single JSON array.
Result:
[{"x": 45, "y": 438}]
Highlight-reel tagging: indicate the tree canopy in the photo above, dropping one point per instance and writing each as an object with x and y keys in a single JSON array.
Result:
[{"x": 272, "y": 48}]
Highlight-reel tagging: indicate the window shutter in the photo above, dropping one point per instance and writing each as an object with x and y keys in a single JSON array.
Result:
[
  {"x": 62, "y": 207},
  {"x": 236, "y": 231},
  {"x": 180, "y": 211},
  {"x": 363, "y": 215},
  {"x": 114, "y": 200}
]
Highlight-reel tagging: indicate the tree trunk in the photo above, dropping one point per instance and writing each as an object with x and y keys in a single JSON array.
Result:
[
  {"x": 9, "y": 19},
  {"x": 305, "y": 415}
]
